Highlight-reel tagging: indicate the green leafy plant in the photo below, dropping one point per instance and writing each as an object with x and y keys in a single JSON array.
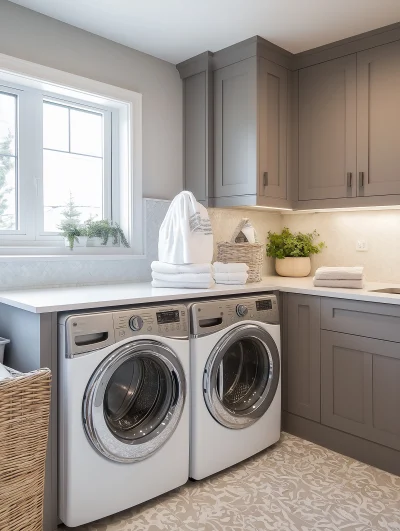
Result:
[
  {"x": 105, "y": 230},
  {"x": 288, "y": 244},
  {"x": 71, "y": 231}
]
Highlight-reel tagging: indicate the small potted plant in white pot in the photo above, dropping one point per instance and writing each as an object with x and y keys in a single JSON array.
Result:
[
  {"x": 292, "y": 251},
  {"x": 74, "y": 234}
]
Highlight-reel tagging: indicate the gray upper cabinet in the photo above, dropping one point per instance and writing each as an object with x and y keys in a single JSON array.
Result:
[
  {"x": 327, "y": 130},
  {"x": 378, "y": 101},
  {"x": 235, "y": 115},
  {"x": 272, "y": 128},
  {"x": 302, "y": 356}
]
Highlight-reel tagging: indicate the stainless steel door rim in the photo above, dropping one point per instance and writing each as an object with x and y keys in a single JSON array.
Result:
[
  {"x": 107, "y": 431},
  {"x": 258, "y": 397}
]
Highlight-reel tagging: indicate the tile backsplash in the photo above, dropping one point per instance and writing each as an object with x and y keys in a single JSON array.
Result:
[{"x": 340, "y": 230}]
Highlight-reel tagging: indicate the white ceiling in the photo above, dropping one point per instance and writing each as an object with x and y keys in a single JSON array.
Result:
[{"x": 175, "y": 30}]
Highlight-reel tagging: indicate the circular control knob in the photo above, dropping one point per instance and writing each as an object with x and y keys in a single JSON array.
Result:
[
  {"x": 136, "y": 323},
  {"x": 241, "y": 310}
]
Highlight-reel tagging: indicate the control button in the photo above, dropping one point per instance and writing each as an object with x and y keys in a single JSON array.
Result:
[
  {"x": 136, "y": 323},
  {"x": 241, "y": 310},
  {"x": 149, "y": 328},
  {"x": 122, "y": 333}
]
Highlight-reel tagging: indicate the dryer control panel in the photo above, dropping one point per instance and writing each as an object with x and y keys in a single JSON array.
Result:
[
  {"x": 209, "y": 317},
  {"x": 86, "y": 332}
]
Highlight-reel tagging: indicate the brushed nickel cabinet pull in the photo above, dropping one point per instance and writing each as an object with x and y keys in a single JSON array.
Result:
[
  {"x": 349, "y": 179},
  {"x": 265, "y": 178},
  {"x": 361, "y": 176}
]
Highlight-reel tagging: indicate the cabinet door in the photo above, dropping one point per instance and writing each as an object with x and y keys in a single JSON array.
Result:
[
  {"x": 360, "y": 392},
  {"x": 303, "y": 355},
  {"x": 378, "y": 118},
  {"x": 327, "y": 130},
  {"x": 272, "y": 116},
  {"x": 235, "y": 115}
]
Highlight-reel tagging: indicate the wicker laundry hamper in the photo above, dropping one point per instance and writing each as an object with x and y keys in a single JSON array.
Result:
[
  {"x": 240, "y": 250},
  {"x": 24, "y": 422}
]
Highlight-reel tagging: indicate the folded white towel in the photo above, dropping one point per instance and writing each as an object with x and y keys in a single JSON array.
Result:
[
  {"x": 239, "y": 278},
  {"x": 182, "y": 285},
  {"x": 232, "y": 267},
  {"x": 183, "y": 277},
  {"x": 339, "y": 273},
  {"x": 355, "y": 284},
  {"x": 231, "y": 282},
  {"x": 163, "y": 267},
  {"x": 4, "y": 372}
]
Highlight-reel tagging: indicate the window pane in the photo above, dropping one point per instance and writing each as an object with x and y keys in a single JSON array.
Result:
[
  {"x": 7, "y": 193},
  {"x": 86, "y": 133},
  {"x": 65, "y": 177},
  {"x": 55, "y": 127},
  {"x": 8, "y": 118}
]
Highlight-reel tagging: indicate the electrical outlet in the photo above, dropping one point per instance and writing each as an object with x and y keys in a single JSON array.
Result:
[{"x": 361, "y": 245}]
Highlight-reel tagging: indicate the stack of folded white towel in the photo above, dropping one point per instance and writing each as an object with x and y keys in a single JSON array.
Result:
[
  {"x": 232, "y": 273},
  {"x": 181, "y": 276},
  {"x": 340, "y": 277}
]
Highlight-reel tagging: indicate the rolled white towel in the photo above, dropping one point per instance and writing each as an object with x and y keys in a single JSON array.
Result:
[
  {"x": 182, "y": 277},
  {"x": 240, "y": 278},
  {"x": 339, "y": 273},
  {"x": 343, "y": 283},
  {"x": 182, "y": 285},
  {"x": 163, "y": 267},
  {"x": 232, "y": 267}
]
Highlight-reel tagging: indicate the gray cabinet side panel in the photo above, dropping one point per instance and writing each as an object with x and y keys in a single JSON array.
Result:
[
  {"x": 303, "y": 355},
  {"x": 327, "y": 130},
  {"x": 369, "y": 319},
  {"x": 293, "y": 137},
  {"x": 195, "y": 96}
]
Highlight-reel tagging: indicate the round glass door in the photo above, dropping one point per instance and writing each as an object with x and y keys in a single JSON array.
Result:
[
  {"x": 134, "y": 400},
  {"x": 241, "y": 376}
]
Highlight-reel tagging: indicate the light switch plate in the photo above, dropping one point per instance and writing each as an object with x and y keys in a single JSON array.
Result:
[{"x": 361, "y": 245}]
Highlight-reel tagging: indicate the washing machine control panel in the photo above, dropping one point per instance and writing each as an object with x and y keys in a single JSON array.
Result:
[
  {"x": 210, "y": 316},
  {"x": 164, "y": 321}
]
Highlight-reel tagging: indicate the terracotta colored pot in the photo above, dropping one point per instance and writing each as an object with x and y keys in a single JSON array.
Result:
[{"x": 293, "y": 266}]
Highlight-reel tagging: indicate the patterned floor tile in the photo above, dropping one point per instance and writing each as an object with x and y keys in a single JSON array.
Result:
[{"x": 293, "y": 486}]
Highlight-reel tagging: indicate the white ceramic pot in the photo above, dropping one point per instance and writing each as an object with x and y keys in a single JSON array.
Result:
[
  {"x": 81, "y": 243},
  {"x": 293, "y": 266}
]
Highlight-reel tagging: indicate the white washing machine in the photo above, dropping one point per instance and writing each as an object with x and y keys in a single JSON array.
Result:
[
  {"x": 124, "y": 410},
  {"x": 235, "y": 381}
]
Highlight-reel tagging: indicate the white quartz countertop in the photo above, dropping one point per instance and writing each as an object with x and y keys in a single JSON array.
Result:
[{"x": 102, "y": 296}]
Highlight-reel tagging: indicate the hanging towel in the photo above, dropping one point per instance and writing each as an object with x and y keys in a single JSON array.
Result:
[
  {"x": 355, "y": 284},
  {"x": 163, "y": 267},
  {"x": 232, "y": 267},
  {"x": 185, "y": 235},
  {"x": 339, "y": 273},
  {"x": 183, "y": 277},
  {"x": 239, "y": 278},
  {"x": 182, "y": 285}
]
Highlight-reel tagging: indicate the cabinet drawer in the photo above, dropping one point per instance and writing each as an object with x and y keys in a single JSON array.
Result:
[{"x": 368, "y": 319}]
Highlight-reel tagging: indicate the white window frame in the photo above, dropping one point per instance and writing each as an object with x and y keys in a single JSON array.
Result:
[{"x": 33, "y": 80}]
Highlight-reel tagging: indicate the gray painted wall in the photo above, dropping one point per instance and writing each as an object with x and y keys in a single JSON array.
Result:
[{"x": 40, "y": 39}]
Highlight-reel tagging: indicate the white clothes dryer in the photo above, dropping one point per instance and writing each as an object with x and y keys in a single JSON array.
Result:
[
  {"x": 124, "y": 410},
  {"x": 235, "y": 381}
]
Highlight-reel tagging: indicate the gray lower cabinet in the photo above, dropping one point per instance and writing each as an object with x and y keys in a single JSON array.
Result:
[
  {"x": 378, "y": 118},
  {"x": 360, "y": 387},
  {"x": 302, "y": 323},
  {"x": 327, "y": 130}
]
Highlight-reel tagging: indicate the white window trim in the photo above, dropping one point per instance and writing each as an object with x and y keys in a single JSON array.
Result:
[{"x": 129, "y": 131}]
